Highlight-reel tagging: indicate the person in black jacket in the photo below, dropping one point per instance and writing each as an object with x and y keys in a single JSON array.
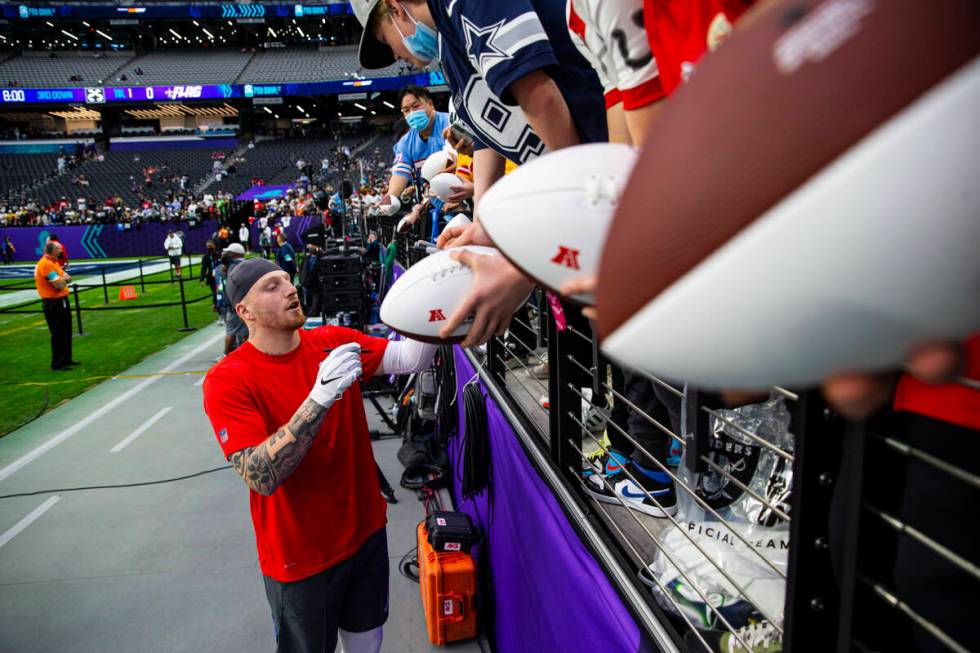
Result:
[
  {"x": 310, "y": 281},
  {"x": 209, "y": 261},
  {"x": 286, "y": 256}
]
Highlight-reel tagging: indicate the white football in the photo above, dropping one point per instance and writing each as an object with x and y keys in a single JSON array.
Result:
[
  {"x": 434, "y": 164},
  {"x": 441, "y": 184},
  {"x": 550, "y": 217},
  {"x": 427, "y": 294},
  {"x": 389, "y": 205},
  {"x": 459, "y": 221}
]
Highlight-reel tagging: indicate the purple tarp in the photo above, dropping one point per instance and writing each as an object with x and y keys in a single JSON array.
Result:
[
  {"x": 263, "y": 193},
  {"x": 550, "y": 593},
  {"x": 109, "y": 240}
]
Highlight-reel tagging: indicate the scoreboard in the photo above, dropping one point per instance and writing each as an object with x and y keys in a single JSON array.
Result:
[
  {"x": 181, "y": 92},
  {"x": 252, "y": 10}
]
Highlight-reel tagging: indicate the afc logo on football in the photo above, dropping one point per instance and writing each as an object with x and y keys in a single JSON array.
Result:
[
  {"x": 567, "y": 256},
  {"x": 436, "y": 315}
]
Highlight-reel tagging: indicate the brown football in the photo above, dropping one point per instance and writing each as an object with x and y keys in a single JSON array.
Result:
[{"x": 807, "y": 202}]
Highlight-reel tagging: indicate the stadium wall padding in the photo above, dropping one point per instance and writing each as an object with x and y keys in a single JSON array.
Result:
[
  {"x": 97, "y": 241},
  {"x": 549, "y": 591}
]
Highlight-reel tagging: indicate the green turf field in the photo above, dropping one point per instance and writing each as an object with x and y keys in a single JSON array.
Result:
[
  {"x": 114, "y": 341},
  {"x": 27, "y": 283}
]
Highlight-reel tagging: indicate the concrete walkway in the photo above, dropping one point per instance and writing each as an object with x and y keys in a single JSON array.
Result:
[{"x": 168, "y": 567}]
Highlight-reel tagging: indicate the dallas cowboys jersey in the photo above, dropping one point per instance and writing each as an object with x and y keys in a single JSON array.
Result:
[
  {"x": 411, "y": 151},
  {"x": 486, "y": 46}
]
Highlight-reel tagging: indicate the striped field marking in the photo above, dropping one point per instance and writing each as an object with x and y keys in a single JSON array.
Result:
[
  {"x": 139, "y": 431},
  {"x": 105, "y": 408},
  {"x": 12, "y": 532}
]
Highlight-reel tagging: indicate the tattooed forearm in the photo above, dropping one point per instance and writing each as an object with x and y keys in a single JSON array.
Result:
[{"x": 265, "y": 466}]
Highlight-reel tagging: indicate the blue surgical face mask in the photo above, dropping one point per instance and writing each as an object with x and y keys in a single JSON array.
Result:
[
  {"x": 423, "y": 44},
  {"x": 418, "y": 119}
]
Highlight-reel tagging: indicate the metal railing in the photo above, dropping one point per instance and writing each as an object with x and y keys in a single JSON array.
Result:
[
  {"x": 32, "y": 307},
  {"x": 832, "y": 583}
]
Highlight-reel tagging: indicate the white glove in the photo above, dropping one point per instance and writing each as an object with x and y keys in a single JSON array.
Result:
[
  {"x": 338, "y": 371},
  {"x": 391, "y": 208}
]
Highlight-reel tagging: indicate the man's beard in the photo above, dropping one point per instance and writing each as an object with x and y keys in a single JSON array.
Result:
[
  {"x": 296, "y": 318},
  {"x": 284, "y": 320}
]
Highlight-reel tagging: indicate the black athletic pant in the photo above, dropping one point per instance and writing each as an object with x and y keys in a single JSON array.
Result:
[
  {"x": 58, "y": 316},
  {"x": 931, "y": 501},
  {"x": 353, "y": 595},
  {"x": 656, "y": 402}
]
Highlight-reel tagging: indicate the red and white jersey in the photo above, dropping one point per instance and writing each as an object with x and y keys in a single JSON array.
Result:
[
  {"x": 681, "y": 31},
  {"x": 610, "y": 35}
]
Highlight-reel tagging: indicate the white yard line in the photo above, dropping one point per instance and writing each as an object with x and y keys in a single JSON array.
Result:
[
  {"x": 139, "y": 431},
  {"x": 12, "y": 532},
  {"x": 96, "y": 414}
]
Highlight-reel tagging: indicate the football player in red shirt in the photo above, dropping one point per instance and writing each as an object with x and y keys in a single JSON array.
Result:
[{"x": 292, "y": 423}]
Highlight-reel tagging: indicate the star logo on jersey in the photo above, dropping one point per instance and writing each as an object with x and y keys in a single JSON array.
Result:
[
  {"x": 566, "y": 256},
  {"x": 436, "y": 315},
  {"x": 481, "y": 41}
]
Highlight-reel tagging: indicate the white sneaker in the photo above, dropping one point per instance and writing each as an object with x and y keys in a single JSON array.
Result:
[{"x": 760, "y": 638}]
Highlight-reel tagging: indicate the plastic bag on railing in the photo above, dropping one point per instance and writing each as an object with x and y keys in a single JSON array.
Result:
[{"x": 766, "y": 474}]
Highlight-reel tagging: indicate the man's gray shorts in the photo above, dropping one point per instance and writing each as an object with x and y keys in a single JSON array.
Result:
[{"x": 234, "y": 326}]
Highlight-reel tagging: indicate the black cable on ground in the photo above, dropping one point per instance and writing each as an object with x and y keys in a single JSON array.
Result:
[
  {"x": 409, "y": 562},
  {"x": 121, "y": 485}
]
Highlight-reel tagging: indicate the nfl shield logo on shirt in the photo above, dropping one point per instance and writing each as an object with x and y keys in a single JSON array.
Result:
[{"x": 223, "y": 436}]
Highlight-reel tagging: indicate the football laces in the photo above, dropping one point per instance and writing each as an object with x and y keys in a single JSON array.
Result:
[{"x": 599, "y": 188}]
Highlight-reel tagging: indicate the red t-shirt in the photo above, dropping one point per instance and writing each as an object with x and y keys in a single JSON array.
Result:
[
  {"x": 950, "y": 402},
  {"x": 63, "y": 256},
  {"x": 680, "y": 31},
  {"x": 325, "y": 510}
]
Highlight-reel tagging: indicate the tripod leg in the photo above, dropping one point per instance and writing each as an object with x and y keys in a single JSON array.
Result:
[
  {"x": 384, "y": 415},
  {"x": 386, "y": 490}
]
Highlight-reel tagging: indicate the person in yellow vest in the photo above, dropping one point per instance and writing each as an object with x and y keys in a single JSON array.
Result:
[{"x": 52, "y": 282}]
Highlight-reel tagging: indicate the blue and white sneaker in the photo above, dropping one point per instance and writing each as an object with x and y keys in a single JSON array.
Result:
[
  {"x": 675, "y": 453},
  {"x": 609, "y": 465},
  {"x": 653, "y": 485}
]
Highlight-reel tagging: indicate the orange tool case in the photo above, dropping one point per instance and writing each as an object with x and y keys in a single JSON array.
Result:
[{"x": 447, "y": 582}]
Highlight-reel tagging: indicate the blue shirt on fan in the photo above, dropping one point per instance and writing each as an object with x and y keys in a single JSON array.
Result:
[
  {"x": 485, "y": 46},
  {"x": 412, "y": 150}
]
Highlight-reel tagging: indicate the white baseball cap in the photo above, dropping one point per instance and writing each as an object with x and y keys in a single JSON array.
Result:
[
  {"x": 371, "y": 53},
  {"x": 234, "y": 248}
]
